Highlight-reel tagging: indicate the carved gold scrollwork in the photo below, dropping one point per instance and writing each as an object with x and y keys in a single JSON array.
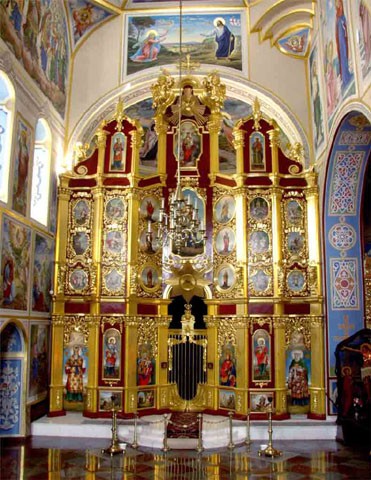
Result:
[
  {"x": 215, "y": 92},
  {"x": 260, "y": 321},
  {"x": 76, "y": 324},
  {"x": 297, "y": 332},
  {"x": 112, "y": 321},
  {"x": 226, "y": 334},
  {"x": 162, "y": 93},
  {"x": 148, "y": 335}
]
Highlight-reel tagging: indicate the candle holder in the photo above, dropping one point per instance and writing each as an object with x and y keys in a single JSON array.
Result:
[
  {"x": 115, "y": 447},
  {"x": 269, "y": 451}
]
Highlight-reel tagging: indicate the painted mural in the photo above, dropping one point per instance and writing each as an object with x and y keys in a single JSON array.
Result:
[
  {"x": 317, "y": 99},
  {"x": 38, "y": 369},
  {"x": 37, "y": 34},
  {"x": 296, "y": 43},
  {"x": 11, "y": 380},
  {"x": 15, "y": 259},
  {"x": 42, "y": 273},
  {"x": 364, "y": 36},
  {"x": 154, "y": 40},
  {"x": 83, "y": 17},
  {"x": 23, "y": 151},
  {"x": 338, "y": 61}
]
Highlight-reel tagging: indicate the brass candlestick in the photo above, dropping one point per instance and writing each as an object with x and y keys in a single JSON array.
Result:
[
  {"x": 114, "y": 448},
  {"x": 269, "y": 451}
]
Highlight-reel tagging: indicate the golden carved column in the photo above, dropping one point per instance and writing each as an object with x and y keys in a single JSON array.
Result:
[
  {"x": 57, "y": 340},
  {"x": 132, "y": 250},
  {"x": 239, "y": 143},
  {"x": 213, "y": 362},
  {"x": 241, "y": 247},
  {"x": 161, "y": 130},
  {"x": 317, "y": 388},
  {"x": 91, "y": 402},
  {"x": 279, "y": 325},
  {"x": 136, "y": 142},
  {"x": 280, "y": 366},
  {"x": 163, "y": 398},
  {"x": 56, "y": 374},
  {"x": 214, "y": 129},
  {"x": 314, "y": 243}
]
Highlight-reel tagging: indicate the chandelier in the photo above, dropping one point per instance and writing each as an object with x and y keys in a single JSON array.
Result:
[{"x": 181, "y": 223}]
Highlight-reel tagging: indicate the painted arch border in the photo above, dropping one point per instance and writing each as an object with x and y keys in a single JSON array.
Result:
[
  {"x": 330, "y": 252},
  {"x": 137, "y": 90}
]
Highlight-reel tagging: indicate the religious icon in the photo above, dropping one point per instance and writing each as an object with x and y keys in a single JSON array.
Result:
[
  {"x": 225, "y": 209},
  {"x": 260, "y": 281},
  {"x": 296, "y": 280},
  {"x": 259, "y": 242},
  {"x": 226, "y": 277},
  {"x": 22, "y": 165},
  {"x": 149, "y": 277},
  {"x": 260, "y": 401},
  {"x": 261, "y": 356},
  {"x": 225, "y": 241},
  {"x": 146, "y": 399},
  {"x": 257, "y": 151},
  {"x": 227, "y": 367},
  {"x": 295, "y": 242},
  {"x": 149, "y": 209},
  {"x": 81, "y": 212},
  {"x": 118, "y": 151},
  {"x": 109, "y": 399},
  {"x": 75, "y": 370},
  {"x": 259, "y": 208},
  {"x": 227, "y": 399},
  {"x": 80, "y": 242},
  {"x": 145, "y": 365},
  {"x": 115, "y": 209},
  {"x": 78, "y": 280},
  {"x": 190, "y": 144},
  {"x": 148, "y": 242},
  {"x": 298, "y": 377},
  {"x": 114, "y": 242},
  {"x": 294, "y": 212},
  {"x": 111, "y": 354},
  {"x": 113, "y": 281}
]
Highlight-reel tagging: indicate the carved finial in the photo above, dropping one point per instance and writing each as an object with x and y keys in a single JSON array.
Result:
[
  {"x": 162, "y": 93},
  {"x": 119, "y": 114},
  {"x": 80, "y": 151},
  {"x": 296, "y": 152},
  {"x": 257, "y": 114},
  {"x": 215, "y": 91}
]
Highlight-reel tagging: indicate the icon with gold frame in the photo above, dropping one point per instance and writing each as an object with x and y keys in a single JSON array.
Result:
[
  {"x": 225, "y": 209},
  {"x": 149, "y": 278},
  {"x": 225, "y": 241},
  {"x": 225, "y": 277}
]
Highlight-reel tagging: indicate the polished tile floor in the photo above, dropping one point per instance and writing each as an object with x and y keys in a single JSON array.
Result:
[{"x": 53, "y": 458}]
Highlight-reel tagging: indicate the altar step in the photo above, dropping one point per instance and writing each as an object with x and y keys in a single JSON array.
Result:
[{"x": 215, "y": 430}]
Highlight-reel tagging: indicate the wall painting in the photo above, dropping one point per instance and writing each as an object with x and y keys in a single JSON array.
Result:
[
  {"x": 15, "y": 259},
  {"x": 154, "y": 40},
  {"x": 42, "y": 273},
  {"x": 38, "y": 370},
  {"x": 37, "y": 34},
  {"x": 317, "y": 98},
  {"x": 364, "y": 37},
  {"x": 22, "y": 164}
]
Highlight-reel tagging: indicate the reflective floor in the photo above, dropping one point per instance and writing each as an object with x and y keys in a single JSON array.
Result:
[{"x": 61, "y": 458}]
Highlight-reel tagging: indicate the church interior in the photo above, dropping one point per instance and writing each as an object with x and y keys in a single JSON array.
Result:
[{"x": 185, "y": 193}]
